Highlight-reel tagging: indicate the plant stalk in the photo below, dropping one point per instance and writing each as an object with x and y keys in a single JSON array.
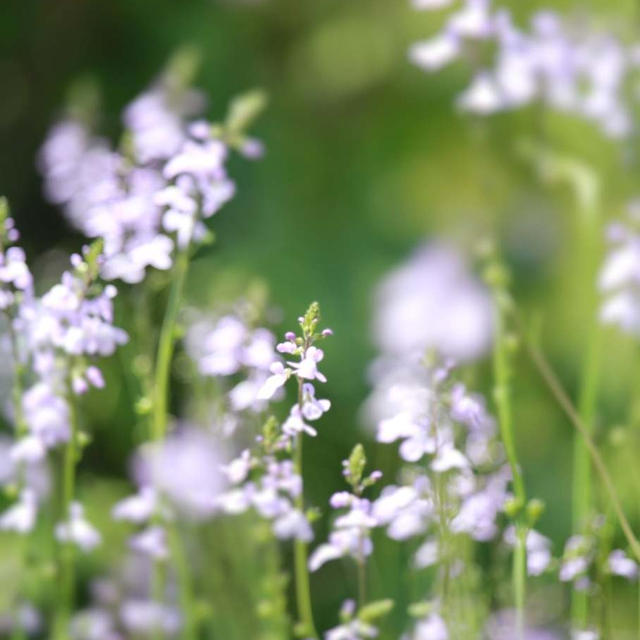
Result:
[
  {"x": 301, "y": 569},
  {"x": 502, "y": 396},
  {"x": 166, "y": 346},
  {"x": 66, "y": 552},
  {"x": 158, "y": 427}
]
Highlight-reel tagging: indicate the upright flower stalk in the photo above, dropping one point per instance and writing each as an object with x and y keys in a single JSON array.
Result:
[
  {"x": 166, "y": 347},
  {"x": 307, "y": 408},
  {"x": 497, "y": 277}
]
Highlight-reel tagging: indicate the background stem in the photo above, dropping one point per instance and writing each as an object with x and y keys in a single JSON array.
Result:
[
  {"x": 301, "y": 569},
  {"x": 502, "y": 396},
  {"x": 582, "y": 498},
  {"x": 166, "y": 345},
  {"x": 159, "y": 420},
  {"x": 66, "y": 555}
]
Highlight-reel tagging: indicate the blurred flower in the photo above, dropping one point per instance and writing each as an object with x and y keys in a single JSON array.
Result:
[
  {"x": 620, "y": 564},
  {"x": 94, "y": 624},
  {"x": 573, "y": 70},
  {"x": 502, "y": 626},
  {"x": 432, "y": 302},
  {"x": 143, "y": 616},
  {"x": 77, "y": 530},
  {"x": 185, "y": 469},
  {"x": 619, "y": 278}
]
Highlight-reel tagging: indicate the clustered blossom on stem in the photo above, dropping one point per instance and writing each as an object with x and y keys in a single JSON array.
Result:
[
  {"x": 266, "y": 480},
  {"x": 453, "y": 431},
  {"x": 580, "y": 559},
  {"x": 55, "y": 339},
  {"x": 148, "y": 199},
  {"x": 351, "y": 533},
  {"x": 563, "y": 65},
  {"x": 178, "y": 477},
  {"x": 308, "y": 408},
  {"x": 619, "y": 279},
  {"x": 270, "y": 486},
  {"x": 229, "y": 347},
  {"x": 432, "y": 302},
  {"x": 120, "y": 606}
]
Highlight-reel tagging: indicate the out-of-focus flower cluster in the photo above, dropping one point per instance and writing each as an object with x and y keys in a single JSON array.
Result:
[
  {"x": 564, "y": 65},
  {"x": 148, "y": 198}
]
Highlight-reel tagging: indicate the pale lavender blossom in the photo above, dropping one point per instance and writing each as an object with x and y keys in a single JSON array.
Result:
[
  {"x": 502, "y": 626},
  {"x": 151, "y": 542},
  {"x": 21, "y": 516},
  {"x": 138, "y": 508},
  {"x": 77, "y": 530},
  {"x": 433, "y": 302},
  {"x": 432, "y": 627},
  {"x": 619, "y": 279},
  {"x": 185, "y": 469},
  {"x": 229, "y": 346},
  {"x": 143, "y": 616},
  {"x": 272, "y": 494},
  {"x": 579, "y": 71},
  {"x": 538, "y": 550},
  {"x": 94, "y": 624},
  {"x": 620, "y": 564},
  {"x": 577, "y": 559}
]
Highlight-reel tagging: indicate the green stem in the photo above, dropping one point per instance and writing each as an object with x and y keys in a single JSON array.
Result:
[
  {"x": 558, "y": 392},
  {"x": 158, "y": 426},
  {"x": 166, "y": 344},
  {"x": 301, "y": 569},
  {"x": 18, "y": 632},
  {"x": 66, "y": 554},
  {"x": 185, "y": 586},
  {"x": 502, "y": 396},
  {"x": 582, "y": 497},
  {"x": 362, "y": 579}
]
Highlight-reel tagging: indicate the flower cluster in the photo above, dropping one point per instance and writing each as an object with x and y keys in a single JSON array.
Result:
[
  {"x": 305, "y": 371},
  {"x": 229, "y": 346},
  {"x": 620, "y": 274},
  {"x": 584, "y": 74},
  {"x": 351, "y": 531},
  {"x": 179, "y": 476},
  {"x": 151, "y": 197},
  {"x": 268, "y": 481},
  {"x": 55, "y": 339},
  {"x": 270, "y": 486}
]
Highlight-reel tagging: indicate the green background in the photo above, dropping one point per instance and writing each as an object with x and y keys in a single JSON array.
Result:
[{"x": 367, "y": 157}]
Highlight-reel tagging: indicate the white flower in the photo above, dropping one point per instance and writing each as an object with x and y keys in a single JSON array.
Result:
[
  {"x": 137, "y": 508},
  {"x": 279, "y": 376},
  {"x": 20, "y": 517},
  {"x": 435, "y": 53},
  {"x": 151, "y": 542},
  {"x": 78, "y": 530},
  {"x": 307, "y": 368},
  {"x": 621, "y": 565}
]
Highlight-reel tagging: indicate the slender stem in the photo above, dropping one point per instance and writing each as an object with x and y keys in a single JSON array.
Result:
[
  {"x": 18, "y": 632},
  {"x": 554, "y": 385},
  {"x": 158, "y": 428},
  {"x": 166, "y": 344},
  {"x": 185, "y": 586},
  {"x": 502, "y": 396},
  {"x": 582, "y": 497},
  {"x": 301, "y": 569},
  {"x": 519, "y": 577},
  {"x": 66, "y": 552}
]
